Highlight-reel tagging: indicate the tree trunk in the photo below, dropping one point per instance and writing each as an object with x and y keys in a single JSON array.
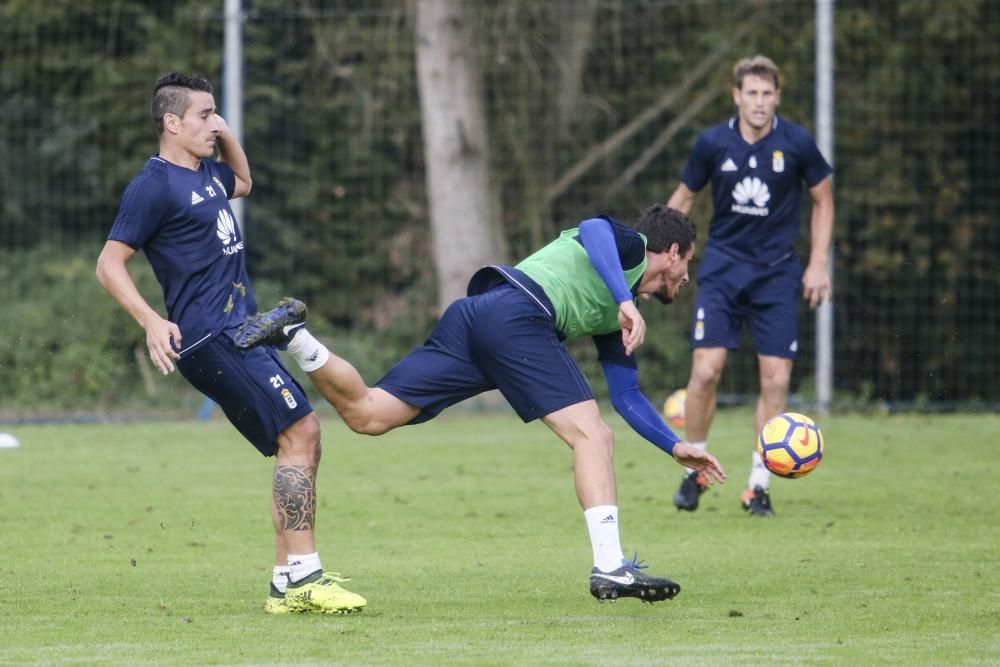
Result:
[
  {"x": 455, "y": 147},
  {"x": 573, "y": 44}
]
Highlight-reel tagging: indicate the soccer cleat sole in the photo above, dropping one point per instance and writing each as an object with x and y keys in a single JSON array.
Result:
[
  {"x": 264, "y": 329},
  {"x": 649, "y": 594}
]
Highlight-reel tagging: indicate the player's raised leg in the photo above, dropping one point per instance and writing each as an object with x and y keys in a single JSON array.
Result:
[
  {"x": 613, "y": 576},
  {"x": 699, "y": 410},
  {"x": 364, "y": 409}
]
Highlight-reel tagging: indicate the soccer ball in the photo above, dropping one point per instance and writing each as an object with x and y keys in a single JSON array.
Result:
[
  {"x": 790, "y": 445},
  {"x": 673, "y": 408}
]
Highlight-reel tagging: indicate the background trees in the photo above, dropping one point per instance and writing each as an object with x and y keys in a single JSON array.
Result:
[{"x": 588, "y": 107}]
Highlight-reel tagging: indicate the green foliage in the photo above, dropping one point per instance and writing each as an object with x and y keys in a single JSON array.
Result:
[
  {"x": 338, "y": 215},
  {"x": 65, "y": 344},
  {"x": 465, "y": 537},
  {"x": 915, "y": 195}
]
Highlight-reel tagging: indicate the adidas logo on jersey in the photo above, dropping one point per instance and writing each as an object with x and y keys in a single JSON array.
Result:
[
  {"x": 728, "y": 165},
  {"x": 196, "y": 198}
]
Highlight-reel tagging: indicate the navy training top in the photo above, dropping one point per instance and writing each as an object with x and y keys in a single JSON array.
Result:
[
  {"x": 756, "y": 188},
  {"x": 183, "y": 222}
]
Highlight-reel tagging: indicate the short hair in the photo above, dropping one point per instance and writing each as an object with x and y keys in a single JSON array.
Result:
[
  {"x": 170, "y": 95},
  {"x": 663, "y": 227},
  {"x": 759, "y": 65}
]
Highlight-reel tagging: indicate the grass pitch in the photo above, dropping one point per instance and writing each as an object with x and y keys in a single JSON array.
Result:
[{"x": 150, "y": 544}]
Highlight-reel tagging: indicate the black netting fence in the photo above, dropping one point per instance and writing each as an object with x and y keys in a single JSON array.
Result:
[{"x": 591, "y": 106}]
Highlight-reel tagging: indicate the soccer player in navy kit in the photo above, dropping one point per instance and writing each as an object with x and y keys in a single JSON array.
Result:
[
  {"x": 757, "y": 163},
  {"x": 507, "y": 335},
  {"x": 177, "y": 211}
]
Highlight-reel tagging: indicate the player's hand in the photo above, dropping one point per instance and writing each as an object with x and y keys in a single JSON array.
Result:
[
  {"x": 816, "y": 284},
  {"x": 222, "y": 124},
  {"x": 698, "y": 459},
  {"x": 159, "y": 334},
  {"x": 633, "y": 326}
]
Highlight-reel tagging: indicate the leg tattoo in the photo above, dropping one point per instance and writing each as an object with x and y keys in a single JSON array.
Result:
[{"x": 294, "y": 489}]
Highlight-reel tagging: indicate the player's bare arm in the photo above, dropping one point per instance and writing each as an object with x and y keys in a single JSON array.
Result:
[
  {"x": 232, "y": 153},
  {"x": 115, "y": 278},
  {"x": 816, "y": 284},
  {"x": 682, "y": 199}
]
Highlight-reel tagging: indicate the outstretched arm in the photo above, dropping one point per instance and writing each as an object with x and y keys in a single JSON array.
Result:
[
  {"x": 638, "y": 412},
  {"x": 115, "y": 278}
]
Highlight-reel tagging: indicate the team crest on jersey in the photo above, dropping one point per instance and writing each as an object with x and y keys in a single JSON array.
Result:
[
  {"x": 699, "y": 325},
  {"x": 226, "y": 231},
  {"x": 289, "y": 399},
  {"x": 750, "y": 197},
  {"x": 219, "y": 183},
  {"x": 778, "y": 161}
]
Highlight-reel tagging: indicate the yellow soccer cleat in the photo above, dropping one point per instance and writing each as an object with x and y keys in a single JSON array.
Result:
[
  {"x": 276, "y": 603},
  {"x": 320, "y": 592}
]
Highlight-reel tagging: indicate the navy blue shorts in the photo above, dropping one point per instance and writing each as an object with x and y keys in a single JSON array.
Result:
[
  {"x": 498, "y": 340},
  {"x": 766, "y": 296},
  {"x": 254, "y": 389}
]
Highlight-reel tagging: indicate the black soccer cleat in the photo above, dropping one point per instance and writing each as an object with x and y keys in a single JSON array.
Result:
[
  {"x": 757, "y": 501},
  {"x": 692, "y": 486},
  {"x": 276, "y": 327},
  {"x": 628, "y": 582}
]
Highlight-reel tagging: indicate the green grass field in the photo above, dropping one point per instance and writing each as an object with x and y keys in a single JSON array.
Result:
[{"x": 147, "y": 544}]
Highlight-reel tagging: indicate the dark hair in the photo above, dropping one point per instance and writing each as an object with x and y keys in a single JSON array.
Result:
[
  {"x": 664, "y": 227},
  {"x": 170, "y": 95}
]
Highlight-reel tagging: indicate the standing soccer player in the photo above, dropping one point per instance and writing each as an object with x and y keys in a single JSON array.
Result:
[
  {"x": 177, "y": 211},
  {"x": 507, "y": 335},
  {"x": 757, "y": 163}
]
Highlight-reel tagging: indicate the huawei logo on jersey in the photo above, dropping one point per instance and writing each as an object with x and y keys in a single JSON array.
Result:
[
  {"x": 750, "y": 197},
  {"x": 226, "y": 231}
]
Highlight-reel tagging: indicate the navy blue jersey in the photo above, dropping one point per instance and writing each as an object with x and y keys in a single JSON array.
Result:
[
  {"x": 756, "y": 188},
  {"x": 183, "y": 222}
]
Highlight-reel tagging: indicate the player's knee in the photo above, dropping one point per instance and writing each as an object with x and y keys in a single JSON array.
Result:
[
  {"x": 301, "y": 440},
  {"x": 705, "y": 376},
  {"x": 607, "y": 436},
  {"x": 364, "y": 427},
  {"x": 365, "y": 424},
  {"x": 600, "y": 438},
  {"x": 379, "y": 412},
  {"x": 774, "y": 384},
  {"x": 775, "y": 378}
]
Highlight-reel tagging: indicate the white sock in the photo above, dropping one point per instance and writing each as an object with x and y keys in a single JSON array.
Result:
[
  {"x": 279, "y": 577},
  {"x": 307, "y": 352},
  {"x": 700, "y": 445},
  {"x": 602, "y": 522},
  {"x": 302, "y": 566},
  {"x": 759, "y": 474}
]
